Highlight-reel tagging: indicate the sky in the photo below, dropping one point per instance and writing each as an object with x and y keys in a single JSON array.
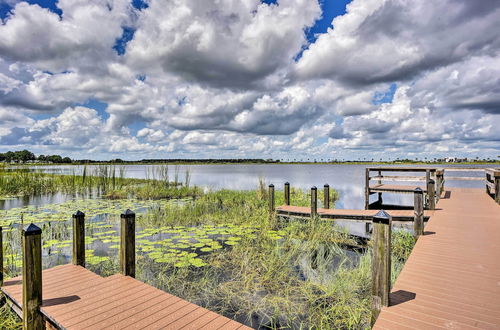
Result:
[{"x": 281, "y": 79}]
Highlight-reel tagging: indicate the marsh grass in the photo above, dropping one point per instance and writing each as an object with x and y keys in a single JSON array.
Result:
[
  {"x": 295, "y": 274},
  {"x": 108, "y": 181},
  {"x": 8, "y": 319}
]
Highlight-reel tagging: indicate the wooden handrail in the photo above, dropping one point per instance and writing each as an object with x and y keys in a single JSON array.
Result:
[{"x": 402, "y": 169}]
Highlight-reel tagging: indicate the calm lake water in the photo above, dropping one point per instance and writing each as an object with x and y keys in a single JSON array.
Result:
[{"x": 348, "y": 180}]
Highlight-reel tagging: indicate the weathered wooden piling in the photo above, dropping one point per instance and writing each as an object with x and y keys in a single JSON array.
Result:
[
  {"x": 431, "y": 193},
  {"x": 32, "y": 278},
  {"x": 1, "y": 257},
  {"x": 367, "y": 188},
  {"x": 127, "y": 243},
  {"x": 271, "y": 199},
  {"x": 380, "y": 201},
  {"x": 287, "y": 193},
  {"x": 79, "y": 239},
  {"x": 314, "y": 202},
  {"x": 418, "y": 207},
  {"x": 488, "y": 181},
  {"x": 381, "y": 262},
  {"x": 439, "y": 183},
  {"x": 497, "y": 189},
  {"x": 326, "y": 196}
]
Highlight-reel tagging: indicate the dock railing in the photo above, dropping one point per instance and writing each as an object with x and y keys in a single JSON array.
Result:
[
  {"x": 432, "y": 179},
  {"x": 493, "y": 183}
]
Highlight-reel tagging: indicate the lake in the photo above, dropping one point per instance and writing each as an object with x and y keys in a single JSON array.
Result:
[{"x": 348, "y": 180}]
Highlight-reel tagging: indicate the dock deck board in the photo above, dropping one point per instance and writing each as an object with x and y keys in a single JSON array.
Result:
[
  {"x": 76, "y": 298},
  {"x": 408, "y": 189},
  {"x": 452, "y": 277}
]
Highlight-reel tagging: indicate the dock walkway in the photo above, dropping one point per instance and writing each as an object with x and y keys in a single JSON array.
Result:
[
  {"x": 76, "y": 298},
  {"x": 452, "y": 277}
]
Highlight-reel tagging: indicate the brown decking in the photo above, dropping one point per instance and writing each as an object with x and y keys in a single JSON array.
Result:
[
  {"x": 365, "y": 215},
  {"x": 396, "y": 188},
  {"x": 76, "y": 298},
  {"x": 452, "y": 277}
]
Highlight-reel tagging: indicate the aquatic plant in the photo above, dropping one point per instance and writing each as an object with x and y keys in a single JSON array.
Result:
[{"x": 106, "y": 180}]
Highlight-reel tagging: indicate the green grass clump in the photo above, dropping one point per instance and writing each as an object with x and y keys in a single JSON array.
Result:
[
  {"x": 8, "y": 319},
  {"x": 402, "y": 243},
  {"x": 107, "y": 181}
]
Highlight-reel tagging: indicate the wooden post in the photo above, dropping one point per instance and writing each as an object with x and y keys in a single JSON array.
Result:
[
  {"x": 314, "y": 202},
  {"x": 497, "y": 189},
  {"x": 79, "y": 239},
  {"x": 367, "y": 188},
  {"x": 488, "y": 179},
  {"x": 439, "y": 183},
  {"x": 271, "y": 199},
  {"x": 326, "y": 196},
  {"x": 32, "y": 278},
  {"x": 431, "y": 192},
  {"x": 287, "y": 193},
  {"x": 427, "y": 180},
  {"x": 127, "y": 244},
  {"x": 380, "y": 202},
  {"x": 381, "y": 262},
  {"x": 1, "y": 257},
  {"x": 418, "y": 206},
  {"x": 367, "y": 227}
]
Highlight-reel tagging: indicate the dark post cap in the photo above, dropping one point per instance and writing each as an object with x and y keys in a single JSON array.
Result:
[
  {"x": 382, "y": 217},
  {"x": 128, "y": 214},
  {"x": 271, "y": 186},
  {"x": 32, "y": 229},
  {"x": 314, "y": 188},
  {"x": 431, "y": 181},
  {"x": 418, "y": 190},
  {"x": 327, "y": 185},
  {"x": 287, "y": 183},
  {"x": 78, "y": 214}
]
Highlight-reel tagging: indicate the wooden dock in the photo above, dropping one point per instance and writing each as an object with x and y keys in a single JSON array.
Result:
[
  {"x": 345, "y": 214},
  {"x": 76, "y": 298},
  {"x": 450, "y": 280},
  {"x": 72, "y": 297},
  {"x": 452, "y": 277}
]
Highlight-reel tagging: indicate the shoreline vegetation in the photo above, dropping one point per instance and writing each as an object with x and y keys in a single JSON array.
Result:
[
  {"x": 26, "y": 157},
  {"x": 219, "y": 249},
  {"x": 107, "y": 181},
  {"x": 255, "y": 162}
]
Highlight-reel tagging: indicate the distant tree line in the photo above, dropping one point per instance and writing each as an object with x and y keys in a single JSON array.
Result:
[
  {"x": 26, "y": 156},
  {"x": 180, "y": 160}
]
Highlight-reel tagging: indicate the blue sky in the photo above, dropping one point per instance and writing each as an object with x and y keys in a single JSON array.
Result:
[{"x": 269, "y": 80}]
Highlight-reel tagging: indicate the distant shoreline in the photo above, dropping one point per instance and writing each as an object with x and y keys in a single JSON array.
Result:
[{"x": 493, "y": 163}]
